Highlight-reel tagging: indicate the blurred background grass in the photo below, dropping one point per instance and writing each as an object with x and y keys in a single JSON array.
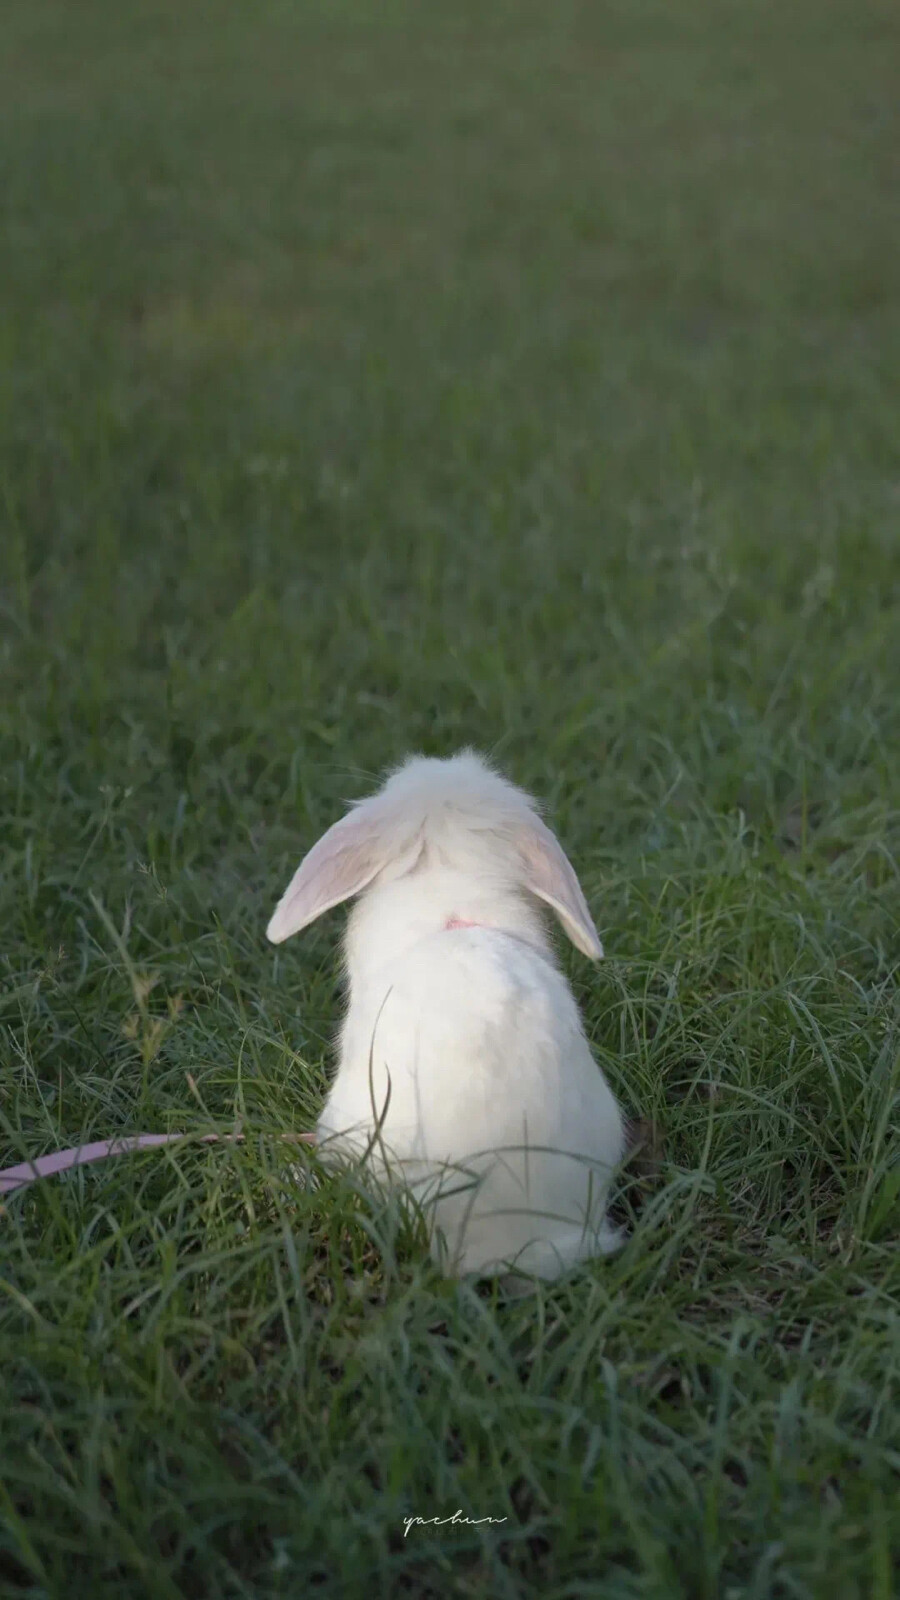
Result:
[{"x": 383, "y": 378}]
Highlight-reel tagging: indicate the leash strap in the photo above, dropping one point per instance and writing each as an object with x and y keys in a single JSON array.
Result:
[{"x": 82, "y": 1155}]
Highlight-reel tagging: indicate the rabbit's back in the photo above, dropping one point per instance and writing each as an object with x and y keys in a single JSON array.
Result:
[
  {"x": 464, "y": 1065},
  {"x": 477, "y": 1038}
]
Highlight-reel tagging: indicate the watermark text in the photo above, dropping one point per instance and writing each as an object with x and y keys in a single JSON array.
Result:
[{"x": 455, "y": 1521}]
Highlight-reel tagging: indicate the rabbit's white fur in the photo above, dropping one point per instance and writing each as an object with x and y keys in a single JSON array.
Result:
[{"x": 464, "y": 1070}]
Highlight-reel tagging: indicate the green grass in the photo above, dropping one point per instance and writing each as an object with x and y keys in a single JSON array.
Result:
[{"x": 390, "y": 377}]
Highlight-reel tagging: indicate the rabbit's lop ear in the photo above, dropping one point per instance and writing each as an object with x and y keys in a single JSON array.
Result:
[
  {"x": 341, "y": 865},
  {"x": 549, "y": 875}
]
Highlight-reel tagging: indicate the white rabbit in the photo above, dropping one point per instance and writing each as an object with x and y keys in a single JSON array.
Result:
[{"x": 464, "y": 1071}]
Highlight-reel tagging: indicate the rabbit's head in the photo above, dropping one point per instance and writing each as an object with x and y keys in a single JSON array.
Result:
[{"x": 441, "y": 842}]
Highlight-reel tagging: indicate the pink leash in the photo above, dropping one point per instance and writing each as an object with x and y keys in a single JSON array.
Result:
[{"x": 83, "y": 1155}]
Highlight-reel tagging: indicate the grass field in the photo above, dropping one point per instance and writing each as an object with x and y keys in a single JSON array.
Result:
[{"x": 389, "y": 377}]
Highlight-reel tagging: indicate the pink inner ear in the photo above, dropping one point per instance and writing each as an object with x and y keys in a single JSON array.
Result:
[
  {"x": 343, "y": 863},
  {"x": 550, "y": 875}
]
